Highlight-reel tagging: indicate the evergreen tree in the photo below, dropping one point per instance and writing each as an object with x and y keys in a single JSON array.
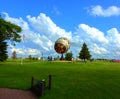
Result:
[
  {"x": 84, "y": 53},
  {"x": 8, "y": 31}
]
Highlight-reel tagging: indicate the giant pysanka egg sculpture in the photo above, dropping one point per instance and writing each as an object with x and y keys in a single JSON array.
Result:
[{"x": 62, "y": 45}]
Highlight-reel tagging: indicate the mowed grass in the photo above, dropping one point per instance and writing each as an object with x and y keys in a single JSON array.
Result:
[{"x": 95, "y": 80}]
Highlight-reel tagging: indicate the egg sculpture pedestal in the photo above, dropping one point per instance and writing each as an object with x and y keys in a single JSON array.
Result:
[{"x": 61, "y": 46}]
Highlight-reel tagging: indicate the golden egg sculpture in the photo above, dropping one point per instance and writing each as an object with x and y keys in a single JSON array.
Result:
[{"x": 62, "y": 45}]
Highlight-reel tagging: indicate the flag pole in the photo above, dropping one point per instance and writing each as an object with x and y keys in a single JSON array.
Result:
[{"x": 22, "y": 47}]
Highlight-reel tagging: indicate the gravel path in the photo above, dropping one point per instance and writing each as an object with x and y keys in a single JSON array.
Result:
[{"x": 6, "y": 93}]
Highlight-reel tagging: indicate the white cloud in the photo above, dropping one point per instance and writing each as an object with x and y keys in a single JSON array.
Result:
[
  {"x": 45, "y": 26},
  {"x": 26, "y": 52},
  {"x": 91, "y": 34},
  {"x": 95, "y": 49},
  {"x": 18, "y": 51},
  {"x": 100, "y": 11},
  {"x": 41, "y": 33},
  {"x": 114, "y": 37}
]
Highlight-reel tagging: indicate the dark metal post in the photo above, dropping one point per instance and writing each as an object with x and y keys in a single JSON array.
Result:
[
  {"x": 32, "y": 82},
  {"x": 50, "y": 82},
  {"x": 42, "y": 89},
  {"x": 62, "y": 57}
]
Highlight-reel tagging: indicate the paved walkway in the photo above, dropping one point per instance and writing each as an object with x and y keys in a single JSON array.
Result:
[{"x": 6, "y": 93}]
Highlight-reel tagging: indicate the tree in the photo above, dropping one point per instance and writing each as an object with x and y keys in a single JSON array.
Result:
[
  {"x": 8, "y": 31},
  {"x": 68, "y": 56},
  {"x": 84, "y": 53},
  {"x": 14, "y": 55},
  {"x": 30, "y": 57}
]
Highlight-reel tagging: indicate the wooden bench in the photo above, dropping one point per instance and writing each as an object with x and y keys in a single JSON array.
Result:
[{"x": 40, "y": 86}]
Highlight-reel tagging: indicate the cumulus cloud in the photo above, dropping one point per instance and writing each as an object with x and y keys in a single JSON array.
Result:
[
  {"x": 91, "y": 33},
  {"x": 100, "y": 11},
  {"x": 45, "y": 26},
  {"x": 114, "y": 37},
  {"x": 95, "y": 49},
  {"x": 28, "y": 51},
  {"x": 41, "y": 33}
]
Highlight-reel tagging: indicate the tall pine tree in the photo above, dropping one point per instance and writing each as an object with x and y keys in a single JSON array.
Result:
[{"x": 84, "y": 53}]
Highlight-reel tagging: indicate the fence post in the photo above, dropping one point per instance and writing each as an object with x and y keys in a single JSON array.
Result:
[
  {"x": 50, "y": 82},
  {"x": 32, "y": 82},
  {"x": 42, "y": 88}
]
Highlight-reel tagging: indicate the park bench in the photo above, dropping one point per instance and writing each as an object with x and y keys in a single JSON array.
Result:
[{"x": 40, "y": 87}]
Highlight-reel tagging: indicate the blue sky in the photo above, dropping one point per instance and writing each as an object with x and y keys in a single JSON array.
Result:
[{"x": 43, "y": 21}]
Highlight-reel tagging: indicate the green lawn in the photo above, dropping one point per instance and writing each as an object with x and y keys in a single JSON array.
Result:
[{"x": 95, "y": 80}]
